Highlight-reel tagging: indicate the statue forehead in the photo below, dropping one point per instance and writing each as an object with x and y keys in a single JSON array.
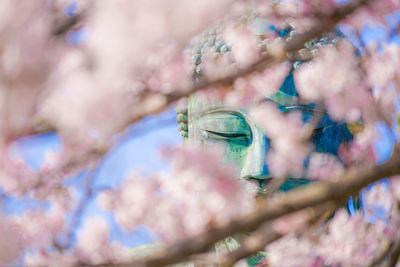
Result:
[{"x": 200, "y": 104}]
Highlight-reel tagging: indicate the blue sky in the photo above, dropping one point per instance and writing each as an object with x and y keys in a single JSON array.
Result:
[{"x": 139, "y": 152}]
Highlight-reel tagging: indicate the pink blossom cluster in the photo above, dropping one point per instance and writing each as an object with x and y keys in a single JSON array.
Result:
[
  {"x": 347, "y": 240},
  {"x": 343, "y": 95},
  {"x": 201, "y": 191},
  {"x": 119, "y": 31},
  {"x": 288, "y": 148},
  {"x": 256, "y": 88},
  {"x": 93, "y": 246},
  {"x": 24, "y": 64}
]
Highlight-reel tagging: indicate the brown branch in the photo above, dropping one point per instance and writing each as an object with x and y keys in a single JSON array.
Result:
[
  {"x": 394, "y": 253},
  {"x": 381, "y": 254},
  {"x": 273, "y": 187},
  {"x": 251, "y": 245},
  {"x": 266, "y": 235},
  {"x": 68, "y": 23},
  {"x": 143, "y": 108},
  {"x": 148, "y": 106},
  {"x": 310, "y": 195},
  {"x": 257, "y": 242}
]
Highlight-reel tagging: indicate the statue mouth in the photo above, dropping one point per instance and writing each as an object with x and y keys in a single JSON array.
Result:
[
  {"x": 258, "y": 177},
  {"x": 266, "y": 185}
]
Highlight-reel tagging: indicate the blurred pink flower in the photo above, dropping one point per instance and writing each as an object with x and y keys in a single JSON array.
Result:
[
  {"x": 324, "y": 166},
  {"x": 11, "y": 243},
  {"x": 291, "y": 223},
  {"x": 344, "y": 96},
  {"x": 288, "y": 149},
  {"x": 244, "y": 45},
  {"x": 202, "y": 190}
]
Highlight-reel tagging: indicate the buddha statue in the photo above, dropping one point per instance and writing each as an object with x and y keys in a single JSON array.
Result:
[{"x": 208, "y": 120}]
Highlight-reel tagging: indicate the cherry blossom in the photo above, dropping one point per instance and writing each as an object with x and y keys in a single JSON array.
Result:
[
  {"x": 347, "y": 240},
  {"x": 12, "y": 241},
  {"x": 287, "y": 142},
  {"x": 88, "y": 69},
  {"x": 324, "y": 166},
  {"x": 342, "y": 94},
  {"x": 143, "y": 200}
]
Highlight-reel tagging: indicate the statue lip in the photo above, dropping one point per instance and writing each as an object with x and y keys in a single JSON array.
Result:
[
  {"x": 285, "y": 185},
  {"x": 263, "y": 177}
]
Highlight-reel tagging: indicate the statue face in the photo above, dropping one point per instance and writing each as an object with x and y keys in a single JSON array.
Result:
[{"x": 211, "y": 122}]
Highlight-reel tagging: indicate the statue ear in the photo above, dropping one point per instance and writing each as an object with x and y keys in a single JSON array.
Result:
[
  {"x": 181, "y": 109},
  {"x": 182, "y": 119}
]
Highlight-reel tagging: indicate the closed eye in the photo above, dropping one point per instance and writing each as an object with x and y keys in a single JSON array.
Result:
[
  {"x": 227, "y": 135},
  {"x": 316, "y": 130},
  {"x": 226, "y": 125}
]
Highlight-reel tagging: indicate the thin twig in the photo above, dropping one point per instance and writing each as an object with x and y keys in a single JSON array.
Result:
[
  {"x": 76, "y": 217},
  {"x": 67, "y": 24}
]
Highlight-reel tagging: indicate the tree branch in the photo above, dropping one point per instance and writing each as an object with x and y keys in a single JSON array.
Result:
[
  {"x": 152, "y": 103},
  {"x": 266, "y": 235},
  {"x": 394, "y": 253},
  {"x": 310, "y": 195},
  {"x": 77, "y": 215},
  {"x": 251, "y": 245},
  {"x": 63, "y": 26},
  {"x": 380, "y": 256}
]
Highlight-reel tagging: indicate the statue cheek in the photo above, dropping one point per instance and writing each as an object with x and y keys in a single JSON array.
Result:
[
  {"x": 236, "y": 149},
  {"x": 237, "y": 153},
  {"x": 248, "y": 154}
]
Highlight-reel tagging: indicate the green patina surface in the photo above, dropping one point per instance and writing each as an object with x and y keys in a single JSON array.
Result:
[
  {"x": 210, "y": 121},
  {"x": 230, "y": 128}
]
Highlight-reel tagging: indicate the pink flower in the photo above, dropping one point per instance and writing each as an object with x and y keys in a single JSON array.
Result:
[
  {"x": 291, "y": 223},
  {"x": 344, "y": 95},
  {"x": 381, "y": 67},
  {"x": 43, "y": 258},
  {"x": 251, "y": 90},
  {"x": 244, "y": 45},
  {"x": 202, "y": 190},
  {"x": 324, "y": 166},
  {"x": 288, "y": 149},
  {"x": 11, "y": 241}
]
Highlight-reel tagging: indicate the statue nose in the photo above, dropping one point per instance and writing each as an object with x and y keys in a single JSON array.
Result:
[{"x": 255, "y": 165}]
